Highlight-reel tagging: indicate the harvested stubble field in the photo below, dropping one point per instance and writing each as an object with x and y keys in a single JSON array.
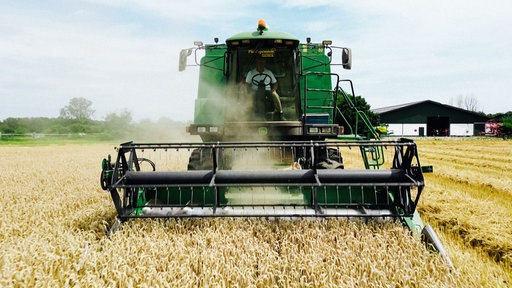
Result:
[{"x": 54, "y": 220}]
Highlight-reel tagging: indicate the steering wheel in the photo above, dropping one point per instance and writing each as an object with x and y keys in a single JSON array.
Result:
[{"x": 262, "y": 78}]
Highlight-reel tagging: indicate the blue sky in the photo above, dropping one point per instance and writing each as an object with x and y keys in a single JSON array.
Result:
[{"x": 123, "y": 55}]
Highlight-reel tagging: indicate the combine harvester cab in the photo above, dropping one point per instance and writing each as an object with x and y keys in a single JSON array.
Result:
[{"x": 261, "y": 158}]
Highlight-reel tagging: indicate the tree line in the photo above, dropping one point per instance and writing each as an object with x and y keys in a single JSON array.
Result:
[{"x": 76, "y": 118}]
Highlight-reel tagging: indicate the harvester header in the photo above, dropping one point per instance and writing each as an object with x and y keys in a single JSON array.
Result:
[{"x": 255, "y": 179}]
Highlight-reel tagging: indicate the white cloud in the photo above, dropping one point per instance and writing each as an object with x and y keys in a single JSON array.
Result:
[
  {"x": 432, "y": 50},
  {"x": 124, "y": 54}
]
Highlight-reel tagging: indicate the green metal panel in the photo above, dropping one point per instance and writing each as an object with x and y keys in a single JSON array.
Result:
[
  {"x": 192, "y": 196},
  {"x": 314, "y": 60},
  {"x": 326, "y": 196}
]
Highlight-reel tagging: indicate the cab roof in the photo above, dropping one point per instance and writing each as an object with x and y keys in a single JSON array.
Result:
[
  {"x": 262, "y": 33},
  {"x": 248, "y": 38}
]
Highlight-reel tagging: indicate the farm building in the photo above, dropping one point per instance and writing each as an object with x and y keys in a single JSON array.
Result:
[{"x": 430, "y": 118}]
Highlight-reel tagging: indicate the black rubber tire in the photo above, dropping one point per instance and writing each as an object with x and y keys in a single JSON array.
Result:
[{"x": 200, "y": 159}]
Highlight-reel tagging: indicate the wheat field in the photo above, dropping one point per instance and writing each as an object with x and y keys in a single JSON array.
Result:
[{"x": 55, "y": 217}]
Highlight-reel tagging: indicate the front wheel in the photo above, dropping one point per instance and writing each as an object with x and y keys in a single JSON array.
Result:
[{"x": 200, "y": 159}]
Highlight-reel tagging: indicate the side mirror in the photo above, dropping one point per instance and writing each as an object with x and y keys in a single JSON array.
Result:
[
  {"x": 183, "y": 58},
  {"x": 346, "y": 58}
]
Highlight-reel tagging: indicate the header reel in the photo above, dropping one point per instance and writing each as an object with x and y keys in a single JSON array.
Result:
[{"x": 272, "y": 179}]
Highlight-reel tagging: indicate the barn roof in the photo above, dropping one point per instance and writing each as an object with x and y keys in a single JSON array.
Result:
[
  {"x": 417, "y": 112},
  {"x": 396, "y": 107}
]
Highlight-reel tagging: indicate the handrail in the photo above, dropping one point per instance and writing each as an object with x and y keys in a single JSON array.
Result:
[{"x": 359, "y": 113}]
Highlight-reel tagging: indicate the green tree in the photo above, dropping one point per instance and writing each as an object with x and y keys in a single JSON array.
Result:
[
  {"x": 506, "y": 127},
  {"x": 14, "y": 125},
  {"x": 118, "y": 125},
  {"x": 355, "y": 111},
  {"x": 79, "y": 109},
  {"x": 507, "y": 122}
]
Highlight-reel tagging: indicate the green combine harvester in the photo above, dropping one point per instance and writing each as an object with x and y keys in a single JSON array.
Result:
[{"x": 266, "y": 112}]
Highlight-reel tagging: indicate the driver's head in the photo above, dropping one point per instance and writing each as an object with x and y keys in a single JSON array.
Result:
[{"x": 260, "y": 64}]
